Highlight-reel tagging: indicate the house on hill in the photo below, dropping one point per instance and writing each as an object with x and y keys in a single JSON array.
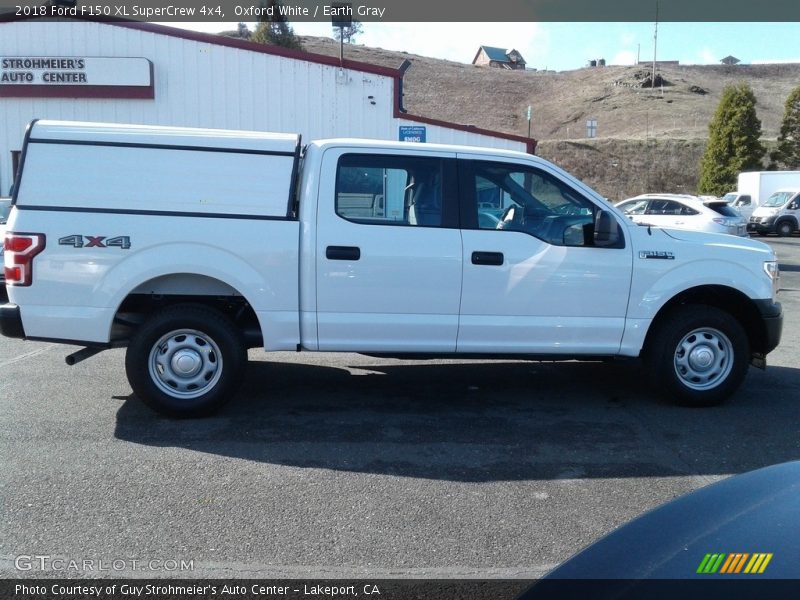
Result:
[
  {"x": 730, "y": 60},
  {"x": 499, "y": 57}
]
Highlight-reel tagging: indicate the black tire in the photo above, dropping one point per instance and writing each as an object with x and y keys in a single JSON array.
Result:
[
  {"x": 186, "y": 360},
  {"x": 784, "y": 228},
  {"x": 697, "y": 356}
]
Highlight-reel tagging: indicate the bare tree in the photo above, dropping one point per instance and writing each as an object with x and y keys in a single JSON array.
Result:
[{"x": 348, "y": 33}]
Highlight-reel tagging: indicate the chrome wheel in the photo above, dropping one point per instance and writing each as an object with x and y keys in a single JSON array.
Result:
[
  {"x": 185, "y": 363},
  {"x": 703, "y": 358}
]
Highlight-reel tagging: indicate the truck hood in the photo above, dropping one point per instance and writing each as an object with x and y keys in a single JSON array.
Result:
[
  {"x": 766, "y": 211},
  {"x": 720, "y": 240}
]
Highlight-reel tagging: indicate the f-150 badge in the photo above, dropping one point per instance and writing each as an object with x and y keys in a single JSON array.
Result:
[{"x": 659, "y": 254}]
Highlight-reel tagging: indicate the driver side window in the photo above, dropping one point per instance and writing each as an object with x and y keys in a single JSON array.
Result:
[{"x": 515, "y": 198}]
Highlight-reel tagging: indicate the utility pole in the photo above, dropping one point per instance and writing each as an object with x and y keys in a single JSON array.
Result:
[
  {"x": 655, "y": 47},
  {"x": 341, "y": 18},
  {"x": 530, "y": 114}
]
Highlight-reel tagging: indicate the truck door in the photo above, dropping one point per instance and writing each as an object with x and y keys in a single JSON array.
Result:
[
  {"x": 388, "y": 252},
  {"x": 534, "y": 282}
]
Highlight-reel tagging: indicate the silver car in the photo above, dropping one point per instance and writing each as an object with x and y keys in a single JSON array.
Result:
[{"x": 682, "y": 211}]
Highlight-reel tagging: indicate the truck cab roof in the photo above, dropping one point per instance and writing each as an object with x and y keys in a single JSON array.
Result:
[{"x": 422, "y": 147}]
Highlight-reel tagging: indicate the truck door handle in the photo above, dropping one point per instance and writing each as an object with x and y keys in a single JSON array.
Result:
[
  {"x": 487, "y": 258},
  {"x": 342, "y": 253}
]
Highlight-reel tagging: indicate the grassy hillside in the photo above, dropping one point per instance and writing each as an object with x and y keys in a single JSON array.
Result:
[
  {"x": 648, "y": 140},
  {"x": 619, "y": 169}
]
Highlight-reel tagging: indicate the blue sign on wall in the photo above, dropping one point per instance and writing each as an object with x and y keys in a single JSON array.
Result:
[{"x": 412, "y": 133}]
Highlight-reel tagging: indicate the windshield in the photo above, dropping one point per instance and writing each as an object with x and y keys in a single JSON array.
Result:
[
  {"x": 778, "y": 199},
  {"x": 5, "y": 209},
  {"x": 729, "y": 197}
]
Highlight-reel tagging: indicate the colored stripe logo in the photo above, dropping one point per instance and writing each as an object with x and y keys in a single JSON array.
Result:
[{"x": 737, "y": 562}]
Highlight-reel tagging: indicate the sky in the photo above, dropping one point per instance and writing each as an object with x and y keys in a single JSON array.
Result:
[{"x": 565, "y": 46}]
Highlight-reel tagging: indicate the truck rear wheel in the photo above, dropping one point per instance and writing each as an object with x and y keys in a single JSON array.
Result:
[
  {"x": 186, "y": 360},
  {"x": 698, "y": 356},
  {"x": 785, "y": 228}
]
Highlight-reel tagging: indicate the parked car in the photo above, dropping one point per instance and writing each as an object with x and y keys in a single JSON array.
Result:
[
  {"x": 682, "y": 211},
  {"x": 744, "y": 528}
]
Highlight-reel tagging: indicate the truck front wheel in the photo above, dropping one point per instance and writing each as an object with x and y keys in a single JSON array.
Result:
[
  {"x": 186, "y": 360},
  {"x": 698, "y": 355},
  {"x": 784, "y": 228}
]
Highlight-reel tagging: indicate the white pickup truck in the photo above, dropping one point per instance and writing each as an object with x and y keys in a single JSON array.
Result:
[{"x": 189, "y": 246}]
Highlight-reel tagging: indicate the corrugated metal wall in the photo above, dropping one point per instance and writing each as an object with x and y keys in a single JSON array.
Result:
[{"x": 206, "y": 85}]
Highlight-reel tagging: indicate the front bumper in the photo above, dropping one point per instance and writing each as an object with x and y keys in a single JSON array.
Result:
[
  {"x": 761, "y": 226},
  {"x": 11, "y": 321},
  {"x": 758, "y": 228},
  {"x": 772, "y": 325}
]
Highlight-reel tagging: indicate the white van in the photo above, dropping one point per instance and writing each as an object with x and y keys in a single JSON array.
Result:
[{"x": 780, "y": 213}]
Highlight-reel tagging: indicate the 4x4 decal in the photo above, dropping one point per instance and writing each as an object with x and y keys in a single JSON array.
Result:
[{"x": 95, "y": 241}]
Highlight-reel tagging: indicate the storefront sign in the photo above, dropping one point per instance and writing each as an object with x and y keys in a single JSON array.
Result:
[{"x": 76, "y": 77}]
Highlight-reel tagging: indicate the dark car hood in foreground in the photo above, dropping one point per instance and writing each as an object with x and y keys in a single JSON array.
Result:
[{"x": 758, "y": 512}]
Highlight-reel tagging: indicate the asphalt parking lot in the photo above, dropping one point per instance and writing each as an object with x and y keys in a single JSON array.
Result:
[{"x": 344, "y": 465}]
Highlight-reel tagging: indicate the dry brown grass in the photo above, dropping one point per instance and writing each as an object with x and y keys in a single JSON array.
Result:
[
  {"x": 619, "y": 169},
  {"x": 562, "y": 101}
]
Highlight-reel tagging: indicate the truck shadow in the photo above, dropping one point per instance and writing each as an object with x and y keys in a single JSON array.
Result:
[{"x": 481, "y": 422}]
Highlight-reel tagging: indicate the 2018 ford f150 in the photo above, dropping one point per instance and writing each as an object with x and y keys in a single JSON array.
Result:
[{"x": 188, "y": 246}]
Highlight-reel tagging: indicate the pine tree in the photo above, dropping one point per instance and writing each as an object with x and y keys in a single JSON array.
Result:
[
  {"x": 275, "y": 30},
  {"x": 734, "y": 141},
  {"x": 787, "y": 155}
]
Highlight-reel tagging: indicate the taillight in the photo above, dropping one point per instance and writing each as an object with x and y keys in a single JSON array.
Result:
[{"x": 19, "y": 249}]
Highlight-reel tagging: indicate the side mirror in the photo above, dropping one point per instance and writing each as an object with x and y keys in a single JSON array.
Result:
[{"x": 606, "y": 230}]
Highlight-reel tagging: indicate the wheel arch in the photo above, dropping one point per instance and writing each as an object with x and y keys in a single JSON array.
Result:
[
  {"x": 725, "y": 298},
  {"x": 169, "y": 289}
]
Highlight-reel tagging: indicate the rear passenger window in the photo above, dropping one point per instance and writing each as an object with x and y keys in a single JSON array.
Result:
[
  {"x": 668, "y": 207},
  {"x": 723, "y": 209},
  {"x": 687, "y": 210},
  {"x": 389, "y": 190}
]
